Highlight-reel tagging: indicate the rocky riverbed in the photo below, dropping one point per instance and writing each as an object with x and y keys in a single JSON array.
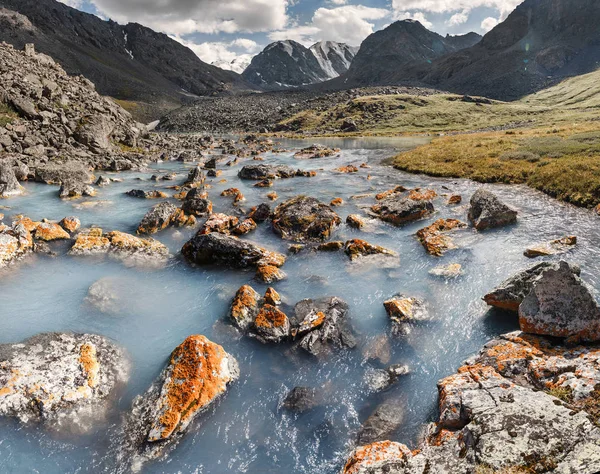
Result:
[{"x": 199, "y": 304}]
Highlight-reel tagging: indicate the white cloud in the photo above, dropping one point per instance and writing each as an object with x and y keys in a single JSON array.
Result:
[
  {"x": 419, "y": 16},
  {"x": 347, "y": 24},
  {"x": 445, "y": 6},
  {"x": 458, "y": 18},
  {"x": 488, "y": 24},
  {"x": 181, "y": 17},
  {"x": 221, "y": 53}
]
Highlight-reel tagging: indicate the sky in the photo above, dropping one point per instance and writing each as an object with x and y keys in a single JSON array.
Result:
[{"x": 228, "y": 30}]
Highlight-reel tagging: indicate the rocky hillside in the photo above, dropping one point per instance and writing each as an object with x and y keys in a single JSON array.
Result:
[
  {"x": 130, "y": 62},
  {"x": 540, "y": 42},
  {"x": 395, "y": 54},
  {"x": 286, "y": 64}
]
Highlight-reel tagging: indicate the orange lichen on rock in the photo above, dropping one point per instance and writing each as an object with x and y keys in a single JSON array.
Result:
[
  {"x": 91, "y": 241},
  {"x": 270, "y": 317},
  {"x": 272, "y": 196},
  {"x": 400, "y": 309},
  {"x": 357, "y": 248},
  {"x": 128, "y": 242},
  {"x": 347, "y": 169},
  {"x": 269, "y": 273},
  {"x": 337, "y": 202},
  {"x": 181, "y": 219},
  {"x": 390, "y": 192},
  {"x": 432, "y": 238},
  {"x": 244, "y": 304},
  {"x": 372, "y": 454},
  {"x": 89, "y": 363},
  {"x": 198, "y": 372},
  {"x": 418, "y": 195},
  {"x": 26, "y": 222},
  {"x": 70, "y": 224},
  {"x": 48, "y": 231},
  {"x": 244, "y": 227},
  {"x": 221, "y": 223},
  {"x": 272, "y": 297},
  {"x": 455, "y": 199}
]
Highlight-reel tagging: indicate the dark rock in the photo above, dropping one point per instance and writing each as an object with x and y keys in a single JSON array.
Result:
[
  {"x": 304, "y": 219},
  {"x": 487, "y": 211},
  {"x": 301, "y": 399},
  {"x": 216, "y": 248},
  {"x": 382, "y": 423},
  {"x": 196, "y": 203},
  {"x": 261, "y": 172},
  {"x": 158, "y": 218},
  {"x": 260, "y": 213}
]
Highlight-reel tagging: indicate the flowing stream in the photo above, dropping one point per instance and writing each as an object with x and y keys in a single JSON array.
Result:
[{"x": 247, "y": 430}]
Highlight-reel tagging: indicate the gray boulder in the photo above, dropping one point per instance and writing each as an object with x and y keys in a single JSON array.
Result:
[
  {"x": 382, "y": 423},
  {"x": 262, "y": 171},
  {"x": 70, "y": 188},
  {"x": 560, "y": 305},
  {"x": 487, "y": 211},
  {"x": 158, "y": 218},
  {"x": 9, "y": 186},
  {"x": 399, "y": 211}
]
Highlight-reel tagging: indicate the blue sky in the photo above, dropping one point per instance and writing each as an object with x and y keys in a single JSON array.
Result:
[{"x": 226, "y": 30}]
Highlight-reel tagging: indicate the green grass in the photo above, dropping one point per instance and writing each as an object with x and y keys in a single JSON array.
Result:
[{"x": 7, "y": 115}]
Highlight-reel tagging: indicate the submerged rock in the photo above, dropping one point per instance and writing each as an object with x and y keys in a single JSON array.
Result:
[
  {"x": 433, "y": 237},
  {"x": 158, "y": 218},
  {"x": 140, "y": 193},
  {"x": 355, "y": 221},
  {"x": 304, "y": 219},
  {"x": 511, "y": 293},
  {"x": 487, "y": 211},
  {"x": 398, "y": 211},
  {"x": 560, "y": 305},
  {"x": 453, "y": 270},
  {"x": 197, "y": 374},
  {"x": 553, "y": 247},
  {"x": 382, "y": 423},
  {"x": 63, "y": 380},
  {"x": 218, "y": 248},
  {"x": 301, "y": 399}
]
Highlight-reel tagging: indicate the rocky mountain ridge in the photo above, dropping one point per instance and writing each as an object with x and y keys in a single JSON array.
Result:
[{"x": 288, "y": 64}]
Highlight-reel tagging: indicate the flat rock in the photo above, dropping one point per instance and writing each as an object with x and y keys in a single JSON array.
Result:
[
  {"x": 434, "y": 238},
  {"x": 357, "y": 248},
  {"x": 261, "y": 172},
  {"x": 304, "y": 219},
  {"x": 487, "y": 211},
  {"x": 553, "y": 247}
]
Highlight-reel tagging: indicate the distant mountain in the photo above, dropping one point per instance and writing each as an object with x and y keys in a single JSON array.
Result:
[
  {"x": 238, "y": 65},
  {"x": 286, "y": 64},
  {"x": 334, "y": 58},
  {"x": 540, "y": 42},
  {"x": 399, "y": 52},
  {"x": 128, "y": 62}
]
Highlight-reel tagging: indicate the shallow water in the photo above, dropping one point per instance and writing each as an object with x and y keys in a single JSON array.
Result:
[{"x": 247, "y": 431}]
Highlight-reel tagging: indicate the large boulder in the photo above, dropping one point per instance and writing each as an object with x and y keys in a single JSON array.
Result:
[
  {"x": 57, "y": 173},
  {"x": 216, "y": 248},
  {"x": 95, "y": 131},
  {"x": 63, "y": 380},
  {"x": 9, "y": 186},
  {"x": 511, "y": 293},
  {"x": 399, "y": 211},
  {"x": 158, "y": 218},
  {"x": 560, "y": 305},
  {"x": 72, "y": 189},
  {"x": 197, "y": 374},
  {"x": 262, "y": 171},
  {"x": 382, "y": 423},
  {"x": 487, "y": 211},
  {"x": 197, "y": 203},
  {"x": 322, "y": 323},
  {"x": 304, "y": 219}
]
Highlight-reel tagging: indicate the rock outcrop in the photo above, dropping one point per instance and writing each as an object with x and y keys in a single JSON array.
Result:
[
  {"x": 304, "y": 219},
  {"x": 261, "y": 172},
  {"x": 488, "y": 212},
  {"x": 9, "y": 186},
  {"x": 15, "y": 243},
  {"x": 66, "y": 381}
]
